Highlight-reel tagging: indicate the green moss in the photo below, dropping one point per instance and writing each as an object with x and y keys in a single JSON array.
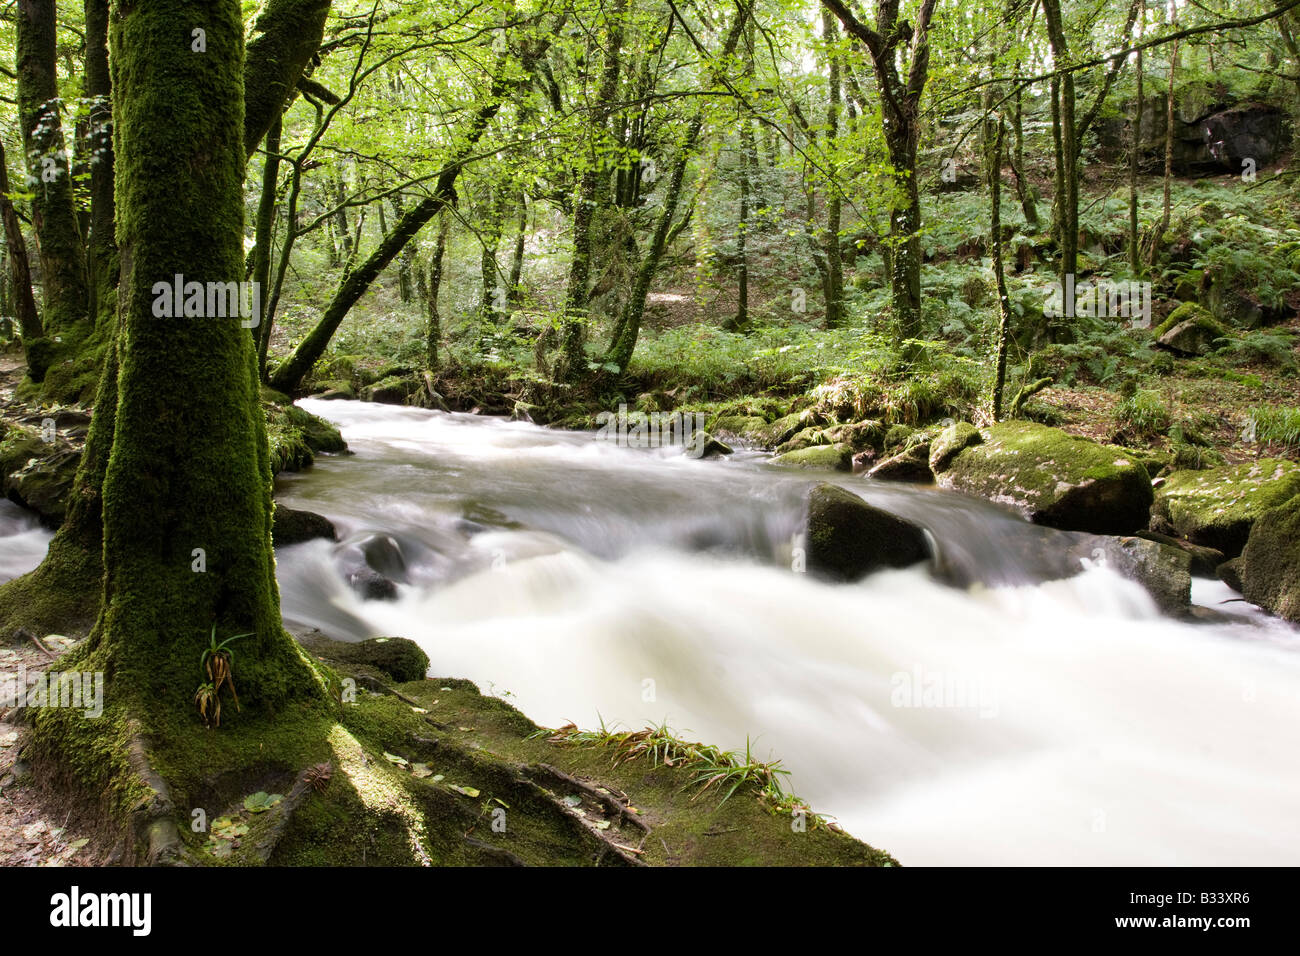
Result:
[
  {"x": 832, "y": 457},
  {"x": 1216, "y": 507},
  {"x": 1054, "y": 478},
  {"x": 951, "y": 442},
  {"x": 1270, "y": 563}
]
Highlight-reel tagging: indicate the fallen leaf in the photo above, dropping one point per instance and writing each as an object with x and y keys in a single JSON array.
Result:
[{"x": 467, "y": 791}]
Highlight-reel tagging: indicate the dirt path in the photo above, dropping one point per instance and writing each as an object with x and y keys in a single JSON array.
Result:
[{"x": 36, "y": 828}]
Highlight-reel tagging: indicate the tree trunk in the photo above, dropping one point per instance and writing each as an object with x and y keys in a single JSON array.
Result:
[
  {"x": 433, "y": 328},
  {"x": 1134, "y": 237},
  {"x": 572, "y": 362},
  {"x": 263, "y": 231},
  {"x": 515, "y": 292},
  {"x": 189, "y": 466},
  {"x": 285, "y": 37},
  {"x": 1159, "y": 236},
  {"x": 994, "y": 162},
  {"x": 20, "y": 273},
  {"x": 63, "y": 260},
  {"x": 102, "y": 264},
  {"x": 834, "y": 262}
]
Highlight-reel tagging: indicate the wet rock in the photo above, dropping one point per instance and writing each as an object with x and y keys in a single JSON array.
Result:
[
  {"x": 1229, "y": 572},
  {"x": 291, "y": 526},
  {"x": 1205, "y": 561},
  {"x": 371, "y": 585},
  {"x": 1163, "y": 570},
  {"x": 38, "y": 474},
  {"x": 1216, "y": 507},
  {"x": 704, "y": 445},
  {"x": 1270, "y": 563},
  {"x": 828, "y": 457},
  {"x": 383, "y": 554},
  {"x": 1054, "y": 479},
  {"x": 392, "y": 389},
  {"x": 848, "y": 538}
]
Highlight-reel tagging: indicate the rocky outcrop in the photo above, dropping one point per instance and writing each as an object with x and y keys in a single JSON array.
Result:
[
  {"x": 1216, "y": 507},
  {"x": 1054, "y": 479},
  {"x": 1270, "y": 563},
  {"x": 848, "y": 538}
]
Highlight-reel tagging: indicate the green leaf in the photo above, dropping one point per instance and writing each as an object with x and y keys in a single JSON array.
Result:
[{"x": 261, "y": 801}]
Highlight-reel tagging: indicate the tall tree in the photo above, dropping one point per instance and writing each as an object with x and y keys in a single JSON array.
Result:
[
  {"x": 895, "y": 45},
  {"x": 54, "y": 218}
]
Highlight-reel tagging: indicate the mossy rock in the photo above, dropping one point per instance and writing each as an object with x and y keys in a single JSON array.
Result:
[
  {"x": 848, "y": 538},
  {"x": 910, "y": 465},
  {"x": 291, "y": 526},
  {"x": 809, "y": 437},
  {"x": 38, "y": 474},
  {"x": 827, "y": 457},
  {"x": 295, "y": 436},
  {"x": 782, "y": 430},
  {"x": 897, "y": 436},
  {"x": 1216, "y": 507},
  {"x": 857, "y": 435},
  {"x": 1270, "y": 563},
  {"x": 951, "y": 442},
  {"x": 738, "y": 426},
  {"x": 335, "y": 391},
  {"x": 398, "y": 657},
  {"x": 392, "y": 390},
  {"x": 1054, "y": 479},
  {"x": 1189, "y": 330}
]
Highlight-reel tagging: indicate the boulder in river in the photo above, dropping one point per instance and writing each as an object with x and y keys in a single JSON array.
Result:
[
  {"x": 1270, "y": 563},
  {"x": 848, "y": 538},
  {"x": 291, "y": 526},
  {"x": 1205, "y": 561},
  {"x": 1163, "y": 571},
  {"x": 828, "y": 457},
  {"x": 1216, "y": 507},
  {"x": 1054, "y": 479},
  {"x": 36, "y": 473}
]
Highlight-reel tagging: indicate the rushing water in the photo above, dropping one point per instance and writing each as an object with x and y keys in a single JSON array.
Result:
[{"x": 1019, "y": 720}]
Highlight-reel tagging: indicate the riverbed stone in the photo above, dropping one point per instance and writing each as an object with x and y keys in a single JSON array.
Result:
[
  {"x": 1216, "y": 507},
  {"x": 292, "y": 526},
  {"x": 1054, "y": 479},
  {"x": 1205, "y": 561},
  {"x": 398, "y": 657},
  {"x": 848, "y": 538}
]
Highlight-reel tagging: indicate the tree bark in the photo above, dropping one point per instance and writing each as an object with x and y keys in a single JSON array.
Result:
[
  {"x": 189, "y": 466},
  {"x": 102, "y": 264},
  {"x": 54, "y": 219},
  {"x": 20, "y": 273},
  {"x": 286, "y": 36}
]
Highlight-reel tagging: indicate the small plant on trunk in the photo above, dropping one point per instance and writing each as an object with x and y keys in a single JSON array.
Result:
[{"x": 216, "y": 662}]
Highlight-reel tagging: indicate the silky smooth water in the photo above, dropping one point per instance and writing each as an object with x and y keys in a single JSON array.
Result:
[{"x": 1018, "y": 720}]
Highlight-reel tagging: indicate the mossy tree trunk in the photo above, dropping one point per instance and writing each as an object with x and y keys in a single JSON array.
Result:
[
  {"x": 54, "y": 218},
  {"x": 102, "y": 263},
  {"x": 20, "y": 272},
  {"x": 188, "y": 467},
  {"x": 62, "y": 593},
  {"x": 834, "y": 261},
  {"x": 889, "y": 46}
]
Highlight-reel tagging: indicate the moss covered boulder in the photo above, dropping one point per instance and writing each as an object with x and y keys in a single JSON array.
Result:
[
  {"x": 296, "y": 436},
  {"x": 911, "y": 465},
  {"x": 1189, "y": 330},
  {"x": 1216, "y": 507},
  {"x": 1054, "y": 479},
  {"x": 291, "y": 526},
  {"x": 398, "y": 657},
  {"x": 951, "y": 442},
  {"x": 37, "y": 474},
  {"x": 1270, "y": 563},
  {"x": 826, "y": 457},
  {"x": 848, "y": 538},
  {"x": 747, "y": 427},
  {"x": 393, "y": 390}
]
